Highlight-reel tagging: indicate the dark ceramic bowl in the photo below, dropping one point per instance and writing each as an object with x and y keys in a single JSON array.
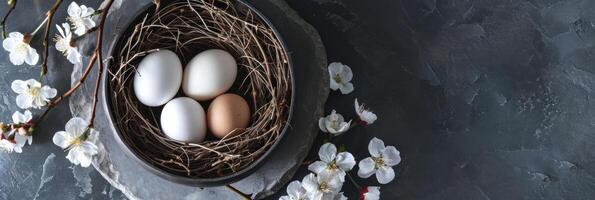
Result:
[{"x": 117, "y": 43}]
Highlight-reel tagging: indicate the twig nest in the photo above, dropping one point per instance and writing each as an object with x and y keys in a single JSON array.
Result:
[{"x": 257, "y": 110}]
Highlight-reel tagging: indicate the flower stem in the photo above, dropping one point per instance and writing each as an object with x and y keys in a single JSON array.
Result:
[
  {"x": 45, "y": 20},
  {"x": 236, "y": 191},
  {"x": 48, "y": 23},
  {"x": 353, "y": 182},
  {"x": 3, "y": 23}
]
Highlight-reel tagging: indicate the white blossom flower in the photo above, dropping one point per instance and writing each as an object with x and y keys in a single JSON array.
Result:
[
  {"x": 322, "y": 186},
  {"x": 334, "y": 124},
  {"x": 10, "y": 146},
  {"x": 63, "y": 44},
  {"x": 295, "y": 191},
  {"x": 370, "y": 193},
  {"x": 366, "y": 116},
  {"x": 20, "y": 51},
  {"x": 332, "y": 163},
  {"x": 32, "y": 94},
  {"x": 78, "y": 139},
  {"x": 80, "y": 18},
  {"x": 380, "y": 163},
  {"x": 24, "y": 120},
  {"x": 341, "y": 76}
]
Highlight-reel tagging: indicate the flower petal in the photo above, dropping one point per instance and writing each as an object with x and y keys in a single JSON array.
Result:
[
  {"x": 17, "y": 59},
  {"x": 366, "y": 168},
  {"x": 334, "y": 181},
  {"x": 74, "y": 56},
  {"x": 368, "y": 117},
  {"x": 321, "y": 124},
  {"x": 334, "y": 85},
  {"x": 391, "y": 156},
  {"x": 327, "y": 152},
  {"x": 74, "y": 9},
  {"x": 335, "y": 68},
  {"x": 296, "y": 190},
  {"x": 385, "y": 175},
  {"x": 372, "y": 194},
  {"x": 358, "y": 108},
  {"x": 346, "y": 88},
  {"x": 24, "y": 102},
  {"x": 16, "y": 36},
  {"x": 89, "y": 148},
  {"x": 60, "y": 31},
  {"x": 20, "y": 139},
  {"x": 310, "y": 183},
  {"x": 32, "y": 56},
  {"x": 376, "y": 147},
  {"x": 62, "y": 139},
  {"x": 317, "y": 167},
  {"x": 19, "y": 86},
  {"x": 48, "y": 92},
  {"x": 74, "y": 156},
  {"x": 18, "y": 149},
  {"x": 9, "y": 44},
  {"x": 18, "y": 117},
  {"x": 76, "y": 126},
  {"x": 345, "y": 161},
  {"x": 346, "y": 73}
]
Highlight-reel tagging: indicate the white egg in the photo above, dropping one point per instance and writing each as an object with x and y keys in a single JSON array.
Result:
[
  {"x": 158, "y": 78},
  {"x": 183, "y": 119},
  {"x": 208, "y": 74}
]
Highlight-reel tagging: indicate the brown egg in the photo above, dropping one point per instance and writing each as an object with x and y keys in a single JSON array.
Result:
[{"x": 227, "y": 113}]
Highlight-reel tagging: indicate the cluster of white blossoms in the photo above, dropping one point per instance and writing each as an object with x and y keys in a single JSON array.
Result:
[
  {"x": 328, "y": 174},
  {"x": 79, "y": 137}
]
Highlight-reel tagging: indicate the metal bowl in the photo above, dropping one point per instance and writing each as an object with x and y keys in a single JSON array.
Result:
[{"x": 117, "y": 43}]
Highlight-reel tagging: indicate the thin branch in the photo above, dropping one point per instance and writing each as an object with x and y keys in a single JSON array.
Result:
[
  {"x": 72, "y": 89},
  {"x": 236, "y": 191},
  {"x": 50, "y": 15},
  {"x": 3, "y": 23},
  {"x": 98, "y": 52}
]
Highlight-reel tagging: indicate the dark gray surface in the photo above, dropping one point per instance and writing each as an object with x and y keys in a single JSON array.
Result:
[{"x": 486, "y": 99}]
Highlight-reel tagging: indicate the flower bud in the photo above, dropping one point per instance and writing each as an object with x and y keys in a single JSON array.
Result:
[
  {"x": 10, "y": 2},
  {"x": 31, "y": 130},
  {"x": 3, "y": 127}
]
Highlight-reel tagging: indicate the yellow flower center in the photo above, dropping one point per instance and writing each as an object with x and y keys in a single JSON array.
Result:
[
  {"x": 34, "y": 91},
  {"x": 21, "y": 48},
  {"x": 378, "y": 161},
  {"x": 337, "y": 78},
  {"x": 324, "y": 187}
]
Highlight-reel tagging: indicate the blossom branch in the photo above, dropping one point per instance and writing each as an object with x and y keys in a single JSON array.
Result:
[
  {"x": 13, "y": 4},
  {"x": 50, "y": 15}
]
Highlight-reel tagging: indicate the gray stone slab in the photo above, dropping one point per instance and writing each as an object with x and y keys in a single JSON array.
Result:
[{"x": 311, "y": 90}]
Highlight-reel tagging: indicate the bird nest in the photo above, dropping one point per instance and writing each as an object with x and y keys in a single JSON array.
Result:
[{"x": 188, "y": 27}]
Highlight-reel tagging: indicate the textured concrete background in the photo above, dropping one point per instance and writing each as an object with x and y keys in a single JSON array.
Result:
[{"x": 486, "y": 99}]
